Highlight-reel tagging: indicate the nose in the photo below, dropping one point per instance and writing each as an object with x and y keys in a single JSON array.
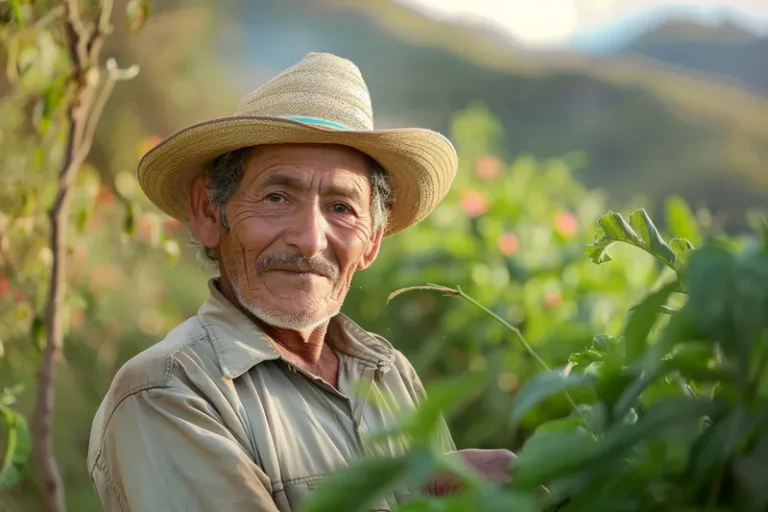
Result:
[{"x": 308, "y": 231}]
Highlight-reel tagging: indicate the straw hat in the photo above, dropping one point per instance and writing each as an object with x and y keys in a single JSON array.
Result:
[{"x": 321, "y": 99}]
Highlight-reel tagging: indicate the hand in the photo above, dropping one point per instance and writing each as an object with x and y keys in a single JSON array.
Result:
[{"x": 492, "y": 465}]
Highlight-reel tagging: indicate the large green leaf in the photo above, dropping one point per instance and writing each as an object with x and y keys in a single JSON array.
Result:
[
  {"x": 719, "y": 443},
  {"x": 710, "y": 277},
  {"x": 542, "y": 386},
  {"x": 729, "y": 300},
  {"x": 549, "y": 454},
  {"x": 639, "y": 231},
  {"x": 658, "y": 418},
  {"x": 18, "y": 448},
  {"x": 752, "y": 475},
  {"x": 643, "y": 318},
  {"x": 680, "y": 220},
  {"x": 359, "y": 486},
  {"x": 487, "y": 499}
]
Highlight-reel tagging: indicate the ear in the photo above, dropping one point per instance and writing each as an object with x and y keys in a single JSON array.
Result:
[
  {"x": 203, "y": 216},
  {"x": 370, "y": 254}
]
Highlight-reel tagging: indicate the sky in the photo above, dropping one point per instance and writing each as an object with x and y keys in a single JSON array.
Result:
[{"x": 547, "y": 23}]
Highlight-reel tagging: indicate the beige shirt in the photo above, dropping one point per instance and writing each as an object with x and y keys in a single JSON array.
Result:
[{"x": 213, "y": 418}]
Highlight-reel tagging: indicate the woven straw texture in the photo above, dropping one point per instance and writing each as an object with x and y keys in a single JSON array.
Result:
[{"x": 422, "y": 164}]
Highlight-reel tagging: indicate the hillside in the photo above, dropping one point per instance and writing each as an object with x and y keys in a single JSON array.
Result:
[
  {"x": 728, "y": 51},
  {"x": 647, "y": 129}
]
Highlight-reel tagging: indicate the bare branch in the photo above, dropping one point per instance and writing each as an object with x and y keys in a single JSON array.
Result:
[{"x": 84, "y": 112}]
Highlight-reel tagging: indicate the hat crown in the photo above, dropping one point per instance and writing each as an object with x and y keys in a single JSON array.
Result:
[{"x": 321, "y": 87}]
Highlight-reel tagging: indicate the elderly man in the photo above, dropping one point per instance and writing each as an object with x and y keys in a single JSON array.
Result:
[{"x": 252, "y": 402}]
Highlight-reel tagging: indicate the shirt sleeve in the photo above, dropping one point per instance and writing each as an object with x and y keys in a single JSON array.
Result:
[{"x": 166, "y": 449}]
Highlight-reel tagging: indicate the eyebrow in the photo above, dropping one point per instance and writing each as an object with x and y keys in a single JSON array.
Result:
[{"x": 297, "y": 184}]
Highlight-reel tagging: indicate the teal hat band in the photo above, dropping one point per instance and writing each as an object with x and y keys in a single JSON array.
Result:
[{"x": 315, "y": 120}]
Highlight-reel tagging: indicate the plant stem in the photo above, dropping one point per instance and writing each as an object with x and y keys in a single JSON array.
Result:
[
  {"x": 528, "y": 348},
  {"x": 84, "y": 45},
  {"x": 509, "y": 326}
]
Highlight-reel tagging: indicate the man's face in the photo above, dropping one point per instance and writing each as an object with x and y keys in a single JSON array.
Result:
[{"x": 300, "y": 224}]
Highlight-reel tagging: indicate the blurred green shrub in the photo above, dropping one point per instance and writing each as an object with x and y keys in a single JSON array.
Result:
[
  {"x": 672, "y": 409},
  {"x": 512, "y": 235}
]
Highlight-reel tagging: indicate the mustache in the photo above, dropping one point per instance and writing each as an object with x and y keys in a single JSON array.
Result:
[{"x": 297, "y": 263}]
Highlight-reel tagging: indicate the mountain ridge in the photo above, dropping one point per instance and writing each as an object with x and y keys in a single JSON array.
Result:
[{"x": 649, "y": 128}]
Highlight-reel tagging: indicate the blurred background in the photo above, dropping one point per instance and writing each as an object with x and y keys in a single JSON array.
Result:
[{"x": 560, "y": 110}]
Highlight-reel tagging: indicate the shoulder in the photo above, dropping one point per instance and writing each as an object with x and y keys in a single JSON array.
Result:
[{"x": 158, "y": 366}]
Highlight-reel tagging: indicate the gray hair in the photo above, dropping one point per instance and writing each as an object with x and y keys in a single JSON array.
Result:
[{"x": 224, "y": 173}]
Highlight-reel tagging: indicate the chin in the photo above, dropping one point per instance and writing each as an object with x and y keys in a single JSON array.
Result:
[{"x": 295, "y": 321}]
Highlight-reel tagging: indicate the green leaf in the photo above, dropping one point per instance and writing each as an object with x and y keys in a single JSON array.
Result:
[
  {"x": 683, "y": 249},
  {"x": 487, "y": 499},
  {"x": 81, "y": 219},
  {"x": 658, "y": 418},
  {"x": 37, "y": 331},
  {"x": 729, "y": 300},
  {"x": 359, "y": 486},
  {"x": 138, "y": 12},
  {"x": 18, "y": 12},
  {"x": 542, "y": 386},
  {"x": 749, "y": 301},
  {"x": 640, "y": 232},
  {"x": 129, "y": 224},
  {"x": 752, "y": 475},
  {"x": 643, "y": 318},
  {"x": 694, "y": 361},
  {"x": 719, "y": 443},
  {"x": 18, "y": 448},
  {"x": 764, "y": 231},
  {"x": 550, "y": 454},
  {"x": 680, "y": 219},
  {"x": 710, "y": 273}
]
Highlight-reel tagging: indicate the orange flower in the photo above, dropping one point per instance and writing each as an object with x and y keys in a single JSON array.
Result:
[
  {"x": 566, "y": 224},
  {"x": 473, "y": 203},
  {"x": 487, "y": 167},
  {"x": 508, "y": 243},
  {"x": 552, "y": 299}
]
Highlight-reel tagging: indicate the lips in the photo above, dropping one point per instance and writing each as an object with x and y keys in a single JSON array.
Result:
[{"x": 300, "y": 271}]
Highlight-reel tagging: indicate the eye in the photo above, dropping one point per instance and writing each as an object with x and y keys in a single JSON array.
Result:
[
  {"x": 341, "y": 208},
  {"x": 275, "y": 198}
]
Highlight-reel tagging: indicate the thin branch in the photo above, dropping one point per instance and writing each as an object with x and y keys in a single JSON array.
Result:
[
  {"x": 458, "y": 292},
  {"x": 83, "y": 114},
  {"x": 96, "y": 112},
  {"x": 49, "y": 16}
]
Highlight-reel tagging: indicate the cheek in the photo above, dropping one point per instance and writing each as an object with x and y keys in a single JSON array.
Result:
[{"x": 352, "y": 248}]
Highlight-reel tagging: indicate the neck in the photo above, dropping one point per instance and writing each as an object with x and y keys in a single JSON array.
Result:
[{"x": 305, "y": 345}]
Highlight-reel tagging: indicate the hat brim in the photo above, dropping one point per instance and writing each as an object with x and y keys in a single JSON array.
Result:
[{"x": 421, "y": 163}]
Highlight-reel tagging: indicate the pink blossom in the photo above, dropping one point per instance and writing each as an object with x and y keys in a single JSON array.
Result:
[
  {"x": 508, "y": 243},
  {"x": 473, "y": 203}
]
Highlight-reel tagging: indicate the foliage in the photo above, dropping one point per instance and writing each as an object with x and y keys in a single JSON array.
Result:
[
  {"x": 510, "y": 235},
  {"x": 53, "y": 64},
  {"x": 676, "y": 417}
]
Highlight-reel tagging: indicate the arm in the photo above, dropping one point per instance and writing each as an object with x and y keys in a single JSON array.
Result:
[{"x": 166, "y": 449}]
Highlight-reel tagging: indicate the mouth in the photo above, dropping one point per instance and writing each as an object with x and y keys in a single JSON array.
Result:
[{"x": 298, "y": 272}]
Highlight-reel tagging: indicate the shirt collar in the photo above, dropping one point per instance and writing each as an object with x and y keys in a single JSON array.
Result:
[{"x": 240, "y": 344}]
